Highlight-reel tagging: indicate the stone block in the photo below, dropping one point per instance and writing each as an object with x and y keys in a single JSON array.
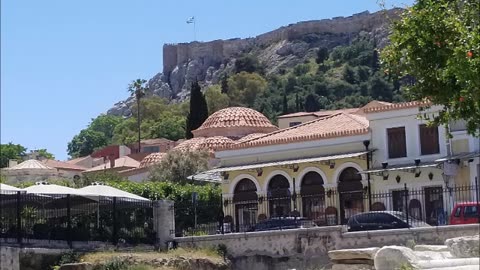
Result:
[
  {"x": 394, "y": 257},
  {"x": 464, "y": 246},
  {"x": 350, "y": 254},
  {"x": 352, "y": 267},
  {"x": 76, "y": 266},
  {"x": 354, "y": 261},
  {"x": 435, "y": 248}
]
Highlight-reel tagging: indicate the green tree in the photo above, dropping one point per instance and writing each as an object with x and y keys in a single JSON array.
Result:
[
  {"x": 137, "y": 89},
  {"x": 216, "y": 99},
  {"x": 86, "y": 142},
  {"x": 45, "y": 154},
  {"x": 198, "y": 109},
  {"x": 176, "y": 166},
  {"x": 349, "y": 74},
  {"x": 285, "y": 103},
  {"x": 106, "y": 124},
  {"x": 311, "y": 103},
  {"x": 244, "y": 88},
  {"x": 437, "y": 42},
  {"x": 322, "y": 55},
  {"x": 248, "y": 63},
  {"x": 170, "y": 126},
  {"x": 224, "y": 84},
  {"x": 11, "y": 151}
]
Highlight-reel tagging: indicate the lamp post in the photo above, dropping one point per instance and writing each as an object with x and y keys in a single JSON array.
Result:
[{"x": 366, "y": 143}]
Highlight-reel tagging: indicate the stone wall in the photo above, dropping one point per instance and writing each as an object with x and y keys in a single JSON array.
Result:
[
  {"x": 307, "y": 247},
  {"x": 218, "y": 50}
]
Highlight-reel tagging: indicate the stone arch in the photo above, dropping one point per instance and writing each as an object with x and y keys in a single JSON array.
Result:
[
  {"x": 312, "y": 192},
  {"x": 279, "y": 196},
  {"x": 307, "y": 170},
  {"x": 273, "y": 174},
  {"x": 350, "y": 189},
  {"x": 235, "y": 181},
  {"x": 245, "y": 191},
  {"x": 341, "y": 168}
]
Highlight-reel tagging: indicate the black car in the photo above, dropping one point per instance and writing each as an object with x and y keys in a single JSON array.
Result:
[
  {"x": 381, "y": 220},
  {"x": 282, "y": 223}
]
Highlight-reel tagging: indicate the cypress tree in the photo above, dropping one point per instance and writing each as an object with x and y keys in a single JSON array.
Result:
[
  {"x": 198, "y": 109},
  {"x": 297, "y": 103},
  {"x": 285, "y": 103},
  {"x": 311, "y": 103},
  {"x": 224, "y": 84}
]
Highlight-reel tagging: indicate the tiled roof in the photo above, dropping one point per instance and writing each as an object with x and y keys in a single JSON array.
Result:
[
  {"x": 124, "y": 161},
  {"x": 63, "y": 165},
  {"x": 30, "y": 164},
  {"x": 210, "y": 143},
  {"x": 250, "y": 137},
  {"x": 236, "y": 117},
  {"x": 151, "y": 159},
  {"x": 396, "y": 106},
  {"x": 76, "y": 160},
  {"x": 336, "y": 125},
  {"x": 319, "y": 113},
  {"x": 156, "y": 141}
]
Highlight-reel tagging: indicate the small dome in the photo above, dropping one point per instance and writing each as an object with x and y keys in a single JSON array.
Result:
[
  {"x": 209, "y": 144},
  {"x": 151, "y": 159},
  {"x": 234, "y": 122}
]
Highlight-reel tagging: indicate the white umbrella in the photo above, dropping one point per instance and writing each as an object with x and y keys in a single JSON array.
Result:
[
  {"x": 108, "y": 191},
  {"x": 57, "y": 190},
  {"x": 6, "y": 189}
]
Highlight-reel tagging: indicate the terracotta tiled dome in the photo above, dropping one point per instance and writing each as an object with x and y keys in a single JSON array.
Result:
[
  {"x": 151, "y": 159},
  {"x": 234, "y": 122},
  {"x": 191, "y": 144}
]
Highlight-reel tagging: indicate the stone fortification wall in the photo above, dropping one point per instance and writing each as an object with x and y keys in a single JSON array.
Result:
[{"x": 218, "y": 50}]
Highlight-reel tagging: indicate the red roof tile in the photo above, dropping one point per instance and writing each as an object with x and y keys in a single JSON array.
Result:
[
  {"x": 62, "y": 165},
  {"x": 397, "y": 106},
  {"x": 236, "y": 117},
  {"x": 336, "y": 125}
]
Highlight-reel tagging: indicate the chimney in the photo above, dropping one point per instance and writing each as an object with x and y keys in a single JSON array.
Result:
[
  {"x": 12, "y": 162},
  {"x": 112, "y": 162}
]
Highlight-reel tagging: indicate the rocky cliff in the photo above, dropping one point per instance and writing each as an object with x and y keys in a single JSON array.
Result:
[{"x": 278, "y": 49}]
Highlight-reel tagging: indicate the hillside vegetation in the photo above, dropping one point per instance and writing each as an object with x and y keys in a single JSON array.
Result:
[{"x": 343, "y": 77}]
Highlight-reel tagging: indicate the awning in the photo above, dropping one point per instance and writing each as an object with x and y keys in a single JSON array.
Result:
[
  {"x": 287, "y": 162},
  {"x": 207, "y": 176},
  {"x": 402, "y": 168},
  {"x": 460, "y": 156}
]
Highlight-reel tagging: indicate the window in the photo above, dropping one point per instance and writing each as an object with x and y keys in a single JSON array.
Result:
[
  {"x": 429, "y": 140},
  {"x": 397, "y": 146},
  {"x": 292, "y": 124},
  {"x": 458, "y": 211},
  {"x": 470, "y": 212}
]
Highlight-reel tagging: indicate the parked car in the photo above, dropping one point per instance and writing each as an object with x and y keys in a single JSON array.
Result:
[
  {"x": 282, "y": 223},
  {"x": 382, "y": 220},
  {"x": 465, "y": 213}
]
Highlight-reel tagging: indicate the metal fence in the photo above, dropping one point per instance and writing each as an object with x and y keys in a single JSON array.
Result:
[
  {"x": 25, "y": 217},
  {"x": 279, "y": 209}
]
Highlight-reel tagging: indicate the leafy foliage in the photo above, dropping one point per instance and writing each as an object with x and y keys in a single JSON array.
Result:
[
  {"x": 11, "y": 151},
  {"x": 311, "y": 103},
  {"x": 437, "y": 43},
  {"x": 176, "y": 166},
  {"x": 216, "y": 98}
]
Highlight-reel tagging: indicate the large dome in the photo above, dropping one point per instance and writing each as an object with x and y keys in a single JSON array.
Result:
[{"x": 235, "y": 123}]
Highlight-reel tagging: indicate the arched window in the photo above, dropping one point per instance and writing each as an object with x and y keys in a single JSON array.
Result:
[
  {"x": 313, "y": 197},
  {"x": 351, "y": 193},
  {"x": 279, "y": 196},
  {"x": 245, "y": 190},
  {"x": 245, "y": 199}
]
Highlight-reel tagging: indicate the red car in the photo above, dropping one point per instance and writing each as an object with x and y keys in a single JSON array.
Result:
[{"x": 465, "y": 213}]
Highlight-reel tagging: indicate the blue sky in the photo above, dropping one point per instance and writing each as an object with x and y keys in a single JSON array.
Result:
[{"x": 65, "y": 62}]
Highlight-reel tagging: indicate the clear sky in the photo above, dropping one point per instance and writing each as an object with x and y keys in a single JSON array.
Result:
[{"x": 64, "y": 62}]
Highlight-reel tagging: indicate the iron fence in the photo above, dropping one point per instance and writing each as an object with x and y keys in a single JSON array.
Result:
[
  {"x": 25, "y": 217},
  {"x": 280, "y": 209}
]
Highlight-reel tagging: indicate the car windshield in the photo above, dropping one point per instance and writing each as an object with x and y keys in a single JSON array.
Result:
[{"x": 403, "y": 217}]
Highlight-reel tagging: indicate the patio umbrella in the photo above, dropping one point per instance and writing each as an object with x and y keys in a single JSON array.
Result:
[
  {"x": 108, "y": 191},
  {"x": 6, "y": 189},
  {"x": 58, "y": 195}
]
